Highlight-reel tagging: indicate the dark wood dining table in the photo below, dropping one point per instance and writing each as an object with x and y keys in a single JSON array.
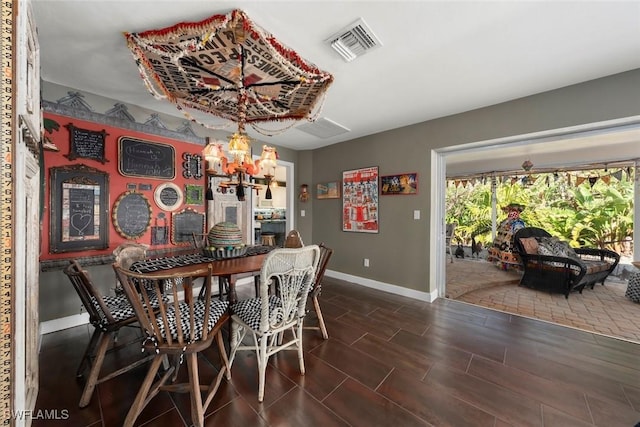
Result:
[{"x": 191, "y": 262}]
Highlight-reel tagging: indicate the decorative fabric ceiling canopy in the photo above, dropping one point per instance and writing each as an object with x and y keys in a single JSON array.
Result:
[{"x": 227, "y": 66}]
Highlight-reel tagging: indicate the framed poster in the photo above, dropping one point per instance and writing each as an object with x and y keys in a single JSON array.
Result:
[
  {"x": 360, "y": 200},
  {"x": 79, "y": 209},
  {"x": 403, "y": 184},
  {"x": 328, "y": 190}
]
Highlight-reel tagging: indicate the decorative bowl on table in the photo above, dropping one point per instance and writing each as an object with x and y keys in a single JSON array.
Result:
[
  {"x": 223, "y": 253},
  {"x": 224, "y": 241}
]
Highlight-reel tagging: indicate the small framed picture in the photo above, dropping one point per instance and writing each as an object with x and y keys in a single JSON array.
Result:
[
  {"x": 328, "y": 190},
  {"x": 402, "y": 184}
]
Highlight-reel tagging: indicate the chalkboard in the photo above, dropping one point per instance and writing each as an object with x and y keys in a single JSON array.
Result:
[
  {"x": 132, "y": 215},
  {"x": 79, "y": 209},
  {"x": 89, "y": 144},
  {"x": 146, "y": 159},
  {"x": 168, "y": 196},
  {"x": 184, "y": 224}
]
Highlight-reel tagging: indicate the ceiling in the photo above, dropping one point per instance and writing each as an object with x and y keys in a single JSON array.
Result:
[{"x": 437, "y": 57}]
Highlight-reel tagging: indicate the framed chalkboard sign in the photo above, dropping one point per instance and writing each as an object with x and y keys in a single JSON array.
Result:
[
  {"x": 168, "y": 196},
  {"x": 79, "y": 209},
  {"x": 88, "y": 144},
  {"x": 131, "y": 215},
  {"x": 146, "y": 159},
  {"x": 184, "y": 224}
]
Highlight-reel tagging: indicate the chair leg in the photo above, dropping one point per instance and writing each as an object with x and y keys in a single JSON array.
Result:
[
  {"x": 88, "y": 352},
  {"x": 299, "y": 344},
  {"x": 323, "y": 328},
  {"x": 145, "y": 393},
  {"x": 197, "y": 413},
  {"x": 103, "y": 343},
  {"x": 262, "y": 365}
]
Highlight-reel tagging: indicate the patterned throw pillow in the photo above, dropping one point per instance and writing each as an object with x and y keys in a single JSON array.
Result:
[{"x": 552, "y": 246}]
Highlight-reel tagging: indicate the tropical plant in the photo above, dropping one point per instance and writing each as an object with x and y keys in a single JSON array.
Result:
[{"x": 596, "y": 214}]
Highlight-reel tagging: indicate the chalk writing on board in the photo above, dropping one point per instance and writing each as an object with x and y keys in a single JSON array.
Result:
[
  {"x": 184, "y": 224},
  {"x": 132, "y": 214},
  {"x": 146, "y": 159},
  {"x": 85, "y": 143},
  {"x": 80, "y": 219}
]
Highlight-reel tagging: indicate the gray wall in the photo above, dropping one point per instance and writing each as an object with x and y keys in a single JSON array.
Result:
[{"x": 399, "y": 254}]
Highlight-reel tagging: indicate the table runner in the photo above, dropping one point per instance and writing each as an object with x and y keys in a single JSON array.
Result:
[{"x": 165, "y": 263}]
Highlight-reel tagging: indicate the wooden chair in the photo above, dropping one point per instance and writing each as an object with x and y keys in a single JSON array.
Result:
[
  {"x": 316, "y": 289},
  {"x": 107, "y": 315},
  {"x": 126, "y": 254},
  {"x": 268, "y": 316},
  {"x": 181, "y": 329},
  {"x": 199, "y": 242},
  {"x": 294, "y": 240}
]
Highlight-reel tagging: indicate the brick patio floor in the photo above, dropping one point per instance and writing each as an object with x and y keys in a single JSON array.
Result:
[{"x": 603, "y": 310}]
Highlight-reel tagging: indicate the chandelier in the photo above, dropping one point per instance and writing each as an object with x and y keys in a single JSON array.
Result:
[{"x": 239, "y": 166}]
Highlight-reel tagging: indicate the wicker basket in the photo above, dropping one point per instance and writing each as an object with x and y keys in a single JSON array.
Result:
[{"x": 224, "y": 253}]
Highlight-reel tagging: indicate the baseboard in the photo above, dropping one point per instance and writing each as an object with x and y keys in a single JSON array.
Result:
[
  {"x": 82, "y": 319},
  {"x": 63, "y": 323},
  {"x": 386, "y": 287}
]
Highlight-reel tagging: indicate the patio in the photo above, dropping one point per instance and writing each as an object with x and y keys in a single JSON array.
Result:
[{"x": 604, "y": 309}]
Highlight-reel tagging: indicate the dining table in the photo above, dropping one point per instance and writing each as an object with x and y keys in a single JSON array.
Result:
[{"x": 193, "y": 262}]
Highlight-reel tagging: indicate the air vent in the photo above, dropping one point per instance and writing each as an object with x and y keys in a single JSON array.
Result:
[
  {"x": 323, "y": 128},
  {"x": 354, "y": 40}
]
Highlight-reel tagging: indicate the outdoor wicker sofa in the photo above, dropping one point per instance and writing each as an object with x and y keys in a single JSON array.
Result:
[{"x": 551, "y": 264}]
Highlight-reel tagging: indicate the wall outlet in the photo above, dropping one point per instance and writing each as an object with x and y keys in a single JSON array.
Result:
[
  {"x": 366, "y": 262},
  {"x": 302, "y": 212},
  {"x": 416, "y": 214}
]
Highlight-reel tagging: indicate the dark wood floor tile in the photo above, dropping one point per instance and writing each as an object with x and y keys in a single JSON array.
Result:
[
  {"x": 329, "y": 309},
  {"x": 468, "y": 339},
  {"x": 618, "y": 344},
  {"x": 170, "y": 418},
  {"x": 598, "y": 363},
  {"x": 607, "y": 413},
  {"x": 367, "y": 324},
  {"x": 319, "y": 379},
  {"x": 298, "y": 408},
  {"x": 361, "y": 406},
  {"x": 403, "y": 322},
  {"x": 390, "y": 360},
  {"x": 352, "y": 362},
  {"x": 244, "y": 378},
  {"x": 117, "y": 394},
  {"x": 353, "y": 304},
  {"x": 574, "y": 375},
  {"x": 340, "y": 331},
  {"x": 554, "y": 418},
  {"x": 431, "y": 403},
  {"x": 505, "y": 404},
  {"x": 236, "y": 413},
  {"x": 434, "y": 350},
  {"x": 65, "y": 337},
  {"x": 394, "y": 355},
  {"x": 552, "y": 393},
  {"x": 633, "y": 394}
]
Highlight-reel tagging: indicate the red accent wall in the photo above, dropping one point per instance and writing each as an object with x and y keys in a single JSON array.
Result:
[{"x": 118, "y": 184}]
